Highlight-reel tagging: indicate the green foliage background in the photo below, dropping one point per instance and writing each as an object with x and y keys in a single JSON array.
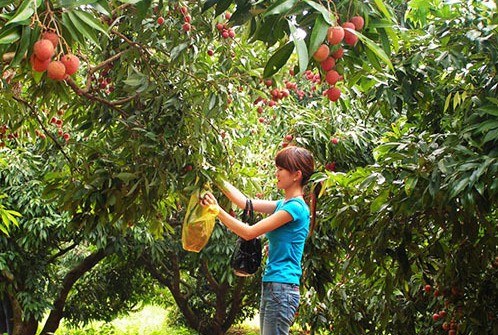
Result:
[{"x": 412, "y": 200}]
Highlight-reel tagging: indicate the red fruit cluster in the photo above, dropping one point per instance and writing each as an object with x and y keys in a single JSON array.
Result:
[
  {"x": 4, "y": 129},
  {"x": 292, "y": 86},
  {"x": 287, "y": 140},
  {"x": 41, "y": 58},
  {"x": 59, "y": 123},
  {"x": 452, "y": 310},
  {"x": 276, "y": 94},
  {"x": 330, "y": 166},
  {"x": 186, "y": 26},
  {"x": 223, "y": 28},
  {"x": 331, "y": 51},
  {"x": 105, "y": 81}
]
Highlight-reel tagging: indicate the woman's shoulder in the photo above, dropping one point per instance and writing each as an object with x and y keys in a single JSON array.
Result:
[{"x": 296, "y": 203}]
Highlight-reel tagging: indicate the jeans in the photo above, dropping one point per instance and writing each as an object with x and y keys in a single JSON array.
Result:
[{"x": 279, "y": 303}]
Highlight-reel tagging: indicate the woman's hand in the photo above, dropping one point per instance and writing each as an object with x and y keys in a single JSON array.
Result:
[{"x": 208, "y": 199}]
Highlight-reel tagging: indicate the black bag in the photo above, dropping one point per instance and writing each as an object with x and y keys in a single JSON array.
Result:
[{"x": 246, "y": 258}]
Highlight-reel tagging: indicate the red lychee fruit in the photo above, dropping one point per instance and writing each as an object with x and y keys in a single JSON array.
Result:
[
  {"x": 332, "y": 77},
  {"x": 321, "y": 53},
  {"x": 330, "y": 166},
  {"x": 186, "y": 27},
  {"x": 349, "y": 37},
  {"x": 52, "y": 37},
  {"x": 56, "y": 70},
  {"x": 328, "y": 64},
  {"x": 335, "y": 35},
  {"x": 338, "y": 53},
  {"x": 43, "y": 49},
  {"x": 358, "y": 22},
  {"x": 71, "y": 62},
  {"x": 38, "y": 65},
  {"x": 334, "y": 93}
]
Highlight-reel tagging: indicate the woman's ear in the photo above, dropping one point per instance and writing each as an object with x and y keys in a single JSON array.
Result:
[{"x": 298, "y": 174}]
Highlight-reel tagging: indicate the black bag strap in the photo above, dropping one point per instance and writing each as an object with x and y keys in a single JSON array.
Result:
[{"x": 248, "y": 211}]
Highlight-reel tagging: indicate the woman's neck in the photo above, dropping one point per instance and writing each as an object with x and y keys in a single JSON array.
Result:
[{"x": 295, "y": 192}]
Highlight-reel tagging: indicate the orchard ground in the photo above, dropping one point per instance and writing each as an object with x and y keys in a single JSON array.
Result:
[{"x": 153, "y": 320}]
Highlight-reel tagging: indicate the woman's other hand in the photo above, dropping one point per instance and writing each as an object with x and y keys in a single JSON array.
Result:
[{"x": 208, "y": 199}]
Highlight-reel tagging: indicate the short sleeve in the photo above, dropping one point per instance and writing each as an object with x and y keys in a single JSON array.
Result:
[{"x": 294, "y": 208}]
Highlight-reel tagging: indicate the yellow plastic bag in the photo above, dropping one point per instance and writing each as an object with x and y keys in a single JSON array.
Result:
[{"x": 198, "y": 224}]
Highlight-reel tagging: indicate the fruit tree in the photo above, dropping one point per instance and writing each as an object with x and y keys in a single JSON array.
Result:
[{"x": 133, "y": 104}]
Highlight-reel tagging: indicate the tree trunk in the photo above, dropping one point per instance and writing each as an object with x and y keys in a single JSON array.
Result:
[
  {"x": 72, "y": 276},
  {"x": 22, "y": 327},
  {"x": 226, "y": 309}
]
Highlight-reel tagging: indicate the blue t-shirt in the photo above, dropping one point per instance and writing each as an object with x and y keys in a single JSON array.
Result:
[{"x": 286, "y": 245}]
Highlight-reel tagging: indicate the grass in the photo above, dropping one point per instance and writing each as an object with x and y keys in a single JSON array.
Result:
[{"x": 151, "y": 320}]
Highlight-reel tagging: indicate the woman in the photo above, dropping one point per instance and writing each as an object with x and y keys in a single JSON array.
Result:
[{"x": 286, "y": 228}]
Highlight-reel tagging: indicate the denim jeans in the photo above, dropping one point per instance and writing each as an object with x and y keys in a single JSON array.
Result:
[{"x": 279, "y": 303}]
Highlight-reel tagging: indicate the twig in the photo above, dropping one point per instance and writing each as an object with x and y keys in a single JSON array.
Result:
[{"x": 45, "y": 130}]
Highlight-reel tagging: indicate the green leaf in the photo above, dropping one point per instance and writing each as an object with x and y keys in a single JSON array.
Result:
[
  {"x": 382, "y": 7},
  {"x": 447, "y": 102},
  {"x": 368, "y": 181},
  {"x": 487, "y": 126},
  {"x": 379, "y": 202},
  {"x": 103, "y": 7},
  {"x": 222, "y": 6},
  {"x": 373, "y": 47},
  {"x": 82, "y": 27},
  {"x": 126, "y": 176},
  {"x": 73, "y": 31},
  {"x": 37, "y": 76},
  {"x": 176, "y": 51},
  {"x": 459, "y": 187},
  {"x": 318, "y": 34},
  {"x": 410, "y": 183},
  {"x": 280, "y": 7},
  {"x": 489, "y": 109},
  {"x": 143, "y": 8},
  {"x": 73, "y": 4},
  {"x": 241, "y": 15},
  {"x": 490, "y": 136},
  {"x": 23, "y": 46},
  {"x": 302, "y": 51},
  {"x": 208, "y": 4},
  {"x": 278, "y": 59},
  {"x": 10, "y": 35},
  {"x": 91, "y": 21},
  {"x": 373, "y": 60},
  {"x": 324, "y": 11},
  {"x": 25, "y": 11}
]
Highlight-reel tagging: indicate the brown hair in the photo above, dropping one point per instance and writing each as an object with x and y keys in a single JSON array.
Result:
[{"x": 294, "y": 159}]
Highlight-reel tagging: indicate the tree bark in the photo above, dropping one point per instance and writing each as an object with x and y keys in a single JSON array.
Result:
[
  {"x": 70, "y": 279},
  {"x": 226, "y": 308},
  {"x": 22, "y": 327}
]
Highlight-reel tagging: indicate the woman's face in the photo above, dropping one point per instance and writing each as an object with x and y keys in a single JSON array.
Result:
[{"x": 284, "y": 178}]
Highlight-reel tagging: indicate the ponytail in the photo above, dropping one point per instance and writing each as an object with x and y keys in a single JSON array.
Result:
[{"x": 313, "y": 198}]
